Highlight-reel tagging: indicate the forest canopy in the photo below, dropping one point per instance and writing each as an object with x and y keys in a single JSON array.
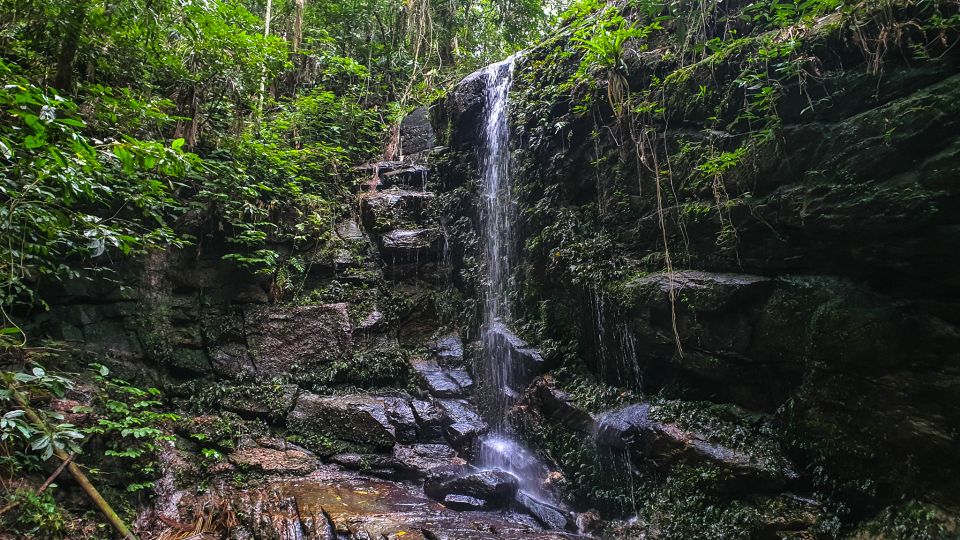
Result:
[{"x": 123, "y": 120}]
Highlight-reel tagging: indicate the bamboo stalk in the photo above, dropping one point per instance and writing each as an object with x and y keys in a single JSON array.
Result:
[{"x": 78, "y": 474}]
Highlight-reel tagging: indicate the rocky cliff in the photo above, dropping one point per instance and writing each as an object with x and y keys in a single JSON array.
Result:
[
  {"x": 735, "y": 300},
  {"x": 749, "y": 227}
]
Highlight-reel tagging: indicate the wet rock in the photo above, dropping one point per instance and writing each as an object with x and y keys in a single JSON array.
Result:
[
  {"x": 401, "y": 416},
  {"x": 392, "y": 208},
  {"x": 448, "y": 349},
  {"x": 464, "y": 502},
  {"x": 707, "y": 291},
  {"x": 437, "y": 381},
  {"x": 297, "y": 340},
  {"x": 495, "y": 487},
  {"x": 410, "y": 176},
  {"x": 379, "y": 465},
  {"x": 409, "y": 245},
  {"x": 462, "y": 425},
  {"x": 270, "y": 461},
  {"x": 278, "y": 516},
  {"x": 361, "y": 507},
  {"x": 525, "y": 359},
  {"x": 355, "y": 418},
  {"x": 462, "y": 107},
  {"x": 499, "y": 452},
  {"x": 418, "y": 460},
  {"x": 546, "y": 514},
  {"x": 429, "y": 420},
  {"x": 462, "y": 378},
  {"x": 416, "y": 132},
  {"x": 648, "y": 440}
]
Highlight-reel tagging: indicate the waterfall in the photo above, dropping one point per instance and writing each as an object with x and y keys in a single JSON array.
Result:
[
  {"x": 497, "y": 234},
  {"x": 498, "y": 371}
]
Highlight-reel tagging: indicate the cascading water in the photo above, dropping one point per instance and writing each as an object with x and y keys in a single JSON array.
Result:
[
  {"x": 499, "y": 449},
  {"x": 497, "y": 232}
]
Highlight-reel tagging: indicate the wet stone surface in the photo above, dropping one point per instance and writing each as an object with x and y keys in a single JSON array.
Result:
[{"x": 360, "y": 507}]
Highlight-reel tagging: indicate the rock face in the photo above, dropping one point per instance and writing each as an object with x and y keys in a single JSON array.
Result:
[
  {"x": 416, "y": 132},
  {"x": 809, "y": 279},
  {"x": 633, "y": 428},
  {"x": 289, "y": 340}
]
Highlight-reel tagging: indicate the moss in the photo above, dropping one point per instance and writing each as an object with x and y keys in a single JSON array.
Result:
[
  {"x": 371, "y": 368},
  {"x": 221, "y": 432},
  {"x": 326, "y": 444},
  {"x": 911, "y": 520},
  {"x": 750, "y": 433}
]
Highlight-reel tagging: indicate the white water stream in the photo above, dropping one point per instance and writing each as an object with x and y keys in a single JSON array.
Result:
[{"x": 500, "y": 449}]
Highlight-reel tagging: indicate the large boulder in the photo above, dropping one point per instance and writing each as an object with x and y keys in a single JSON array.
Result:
[
  {"x": 394, "y": 207},
  {"x": 461, "y": 108},
  {"x": 495, "y": 487},
  {"x": 650, "y": 440},
  {"x": 361, "y": 419},
  {"x": 462, "y": 425},
  {"x": 430, "y": 418}
]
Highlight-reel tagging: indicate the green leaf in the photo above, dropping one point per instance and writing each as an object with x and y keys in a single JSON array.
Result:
[{"x": 33, "y": 141}]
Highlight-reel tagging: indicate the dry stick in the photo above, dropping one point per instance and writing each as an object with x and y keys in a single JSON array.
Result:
[
  {"x": 78, "y": 474},
  {"x": 43, "y": 487}
]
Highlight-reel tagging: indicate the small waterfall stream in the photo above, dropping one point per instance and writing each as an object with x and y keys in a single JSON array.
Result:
[
  {"x": 499, "y": 449},
  {"x": 497, "y": 234}
]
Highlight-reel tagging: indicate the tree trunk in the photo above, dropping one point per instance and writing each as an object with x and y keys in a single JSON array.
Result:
[
  {"x": 68, "y": 47},
  {"x": 263, "y": 76},
  {"x": 297, "y": 25}
]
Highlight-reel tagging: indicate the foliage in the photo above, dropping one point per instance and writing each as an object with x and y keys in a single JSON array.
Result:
[
  {"x": 37, "y": 514},
  {"x": 52, "y": 433},
  {"x": 603, "y": 46},
  {"x": 66, "y": 196},
  {"x": 132, "y": 426}
]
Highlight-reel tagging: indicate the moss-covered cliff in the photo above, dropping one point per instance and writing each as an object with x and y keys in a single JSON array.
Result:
[{"x": 743, "y": 211}]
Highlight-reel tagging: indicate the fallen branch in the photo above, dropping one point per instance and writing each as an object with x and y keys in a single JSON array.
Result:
[{"x": 78, "y": 474}]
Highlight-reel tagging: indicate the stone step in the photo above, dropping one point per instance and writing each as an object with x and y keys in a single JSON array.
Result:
[
  {"x": 407, "y": 246},
  {"x": 441, "y": 382},
  {"x": 386, "y": 174}
]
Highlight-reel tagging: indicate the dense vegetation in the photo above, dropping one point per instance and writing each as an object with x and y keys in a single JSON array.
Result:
[
  {"x": 124, "y": 122},
  {"x": 130, "y": 128}
]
